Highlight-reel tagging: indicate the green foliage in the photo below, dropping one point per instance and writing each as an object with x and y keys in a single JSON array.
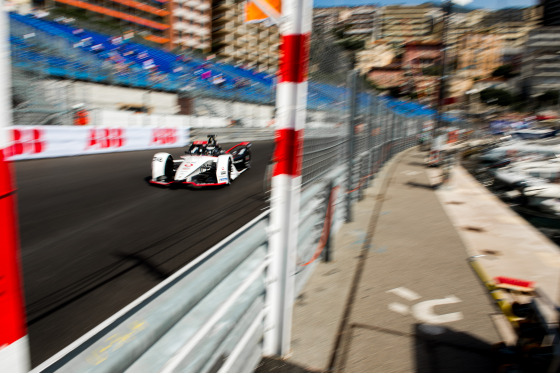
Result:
[
  {"x": 549, "y": 97},
  {"x": 395, "y": 92},
  {"x": 496, "y": 96},
  {"x": 352, "y": 44},
  {"x": 505, "y": 71},
  {"x": 433, "y": 70}
]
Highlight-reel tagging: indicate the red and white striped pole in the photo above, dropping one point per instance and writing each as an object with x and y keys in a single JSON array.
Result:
[
  {"x": 291, "y": 100},
  {"x": 14, "y": 349}
]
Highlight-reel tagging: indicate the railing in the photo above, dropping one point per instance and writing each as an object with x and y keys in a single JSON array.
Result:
[
  {"x": 192, "y": 322},
  {"x": 209, "y": 316}
]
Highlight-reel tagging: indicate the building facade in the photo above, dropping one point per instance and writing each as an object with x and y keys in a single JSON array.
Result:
[
  {"x": 325, "y": 20},
  {"x": 254, "y": 45},
  {"x": 191, "y": 24},
  {"x": 358, "y": 21},
  {"x": 550, "y": 12},
  {"x": 460, "y": 24},
  {"x": 399, "y": 25},
  {"x": 541, "y": 61},
  {"x": 377, "y": 53},
  {"x": 478, "y": 55}
]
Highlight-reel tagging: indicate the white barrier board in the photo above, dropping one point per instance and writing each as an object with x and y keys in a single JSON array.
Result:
[{"x": 32, "y": 142}]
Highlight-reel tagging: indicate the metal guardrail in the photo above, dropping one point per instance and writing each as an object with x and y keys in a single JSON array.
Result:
[
  {"x": 192, "y": 322},
  {"x": 233, "y": 134}
]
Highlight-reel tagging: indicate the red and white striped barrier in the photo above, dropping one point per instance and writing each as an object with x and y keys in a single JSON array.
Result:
[
  {"x": 291, "y": 100},
  {"x": 14, "y": 348},
  {"x": 31, "y": 142},
  {"x": 14, "y": 354}
]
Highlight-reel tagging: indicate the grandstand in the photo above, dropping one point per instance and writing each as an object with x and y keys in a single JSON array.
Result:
[{"x": 55, "y": 49}]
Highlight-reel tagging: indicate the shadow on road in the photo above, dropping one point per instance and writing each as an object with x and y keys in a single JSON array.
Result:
[
  {"x": 416, "y": 163},
  {"x": 440, "y": 349},
  {"x": 421, "y": 185},
  {"x": 277, "y": 365}
]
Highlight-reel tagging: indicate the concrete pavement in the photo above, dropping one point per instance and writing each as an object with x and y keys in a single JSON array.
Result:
[{"x": 399, "y": 294}]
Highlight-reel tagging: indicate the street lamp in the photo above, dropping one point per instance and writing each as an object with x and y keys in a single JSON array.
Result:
[{"x": 447, "y": 8}]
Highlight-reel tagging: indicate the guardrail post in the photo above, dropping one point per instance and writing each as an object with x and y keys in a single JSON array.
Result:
[
  {"x": 327, "y": 257},
  {"x": 393, "y": 129},
  {"x": 369, "y": 144},
  {"x": 291, "y": 99},
  {"x": 14, "y": 348},
  {"x": 352, "y": 87},
  {"x": 388, "y": 133},
  {"x": 361, "y": 174},
  {"x": 379, "y": 134}
]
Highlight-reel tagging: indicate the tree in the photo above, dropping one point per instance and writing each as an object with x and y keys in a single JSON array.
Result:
[
  {"x": 549, "y": 97},
  {"x": 496, "y": 96},
  {"x": 505, "y": 71}
]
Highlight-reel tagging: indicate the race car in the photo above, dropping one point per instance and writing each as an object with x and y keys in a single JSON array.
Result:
[{"x": 205, "y": 163}]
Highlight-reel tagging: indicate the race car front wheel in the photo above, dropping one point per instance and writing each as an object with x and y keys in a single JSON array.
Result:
[{"x": 169, "y": 168}]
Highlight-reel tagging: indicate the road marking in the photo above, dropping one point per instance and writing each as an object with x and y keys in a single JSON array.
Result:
[
  {"x": 399, "y": 308},
  {"x": 405, "y": 293},
  {"x": 410, "y": 172},
  {"x": 424, "y": 311}
]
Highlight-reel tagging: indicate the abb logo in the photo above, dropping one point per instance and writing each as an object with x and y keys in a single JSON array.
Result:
[
  {"x": 26, "y": 141},
  {"x": 164, "y": 136},
  {"x": 105, "y": 138}
]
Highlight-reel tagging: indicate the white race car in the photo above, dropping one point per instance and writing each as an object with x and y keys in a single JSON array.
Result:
[{"x": 204, "y": 164}]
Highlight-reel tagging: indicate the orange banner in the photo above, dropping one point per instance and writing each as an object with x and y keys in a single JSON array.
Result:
[
  {"x": 144, "y": 7},
  {"x": 253, "y": 12},
  {"x": 156, "y": 39},
  {"x": 116, "y": 14}
]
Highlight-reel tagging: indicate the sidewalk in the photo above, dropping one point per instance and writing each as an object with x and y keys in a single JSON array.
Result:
[{"x": 399, "y": 294}]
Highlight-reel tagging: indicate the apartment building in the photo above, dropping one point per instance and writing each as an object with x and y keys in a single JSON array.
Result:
[
  {"x": 359, "y": 21},
  {"x": 550, "y": 12},
  {"x": 191, "y": 24},
  {"x": 402, "y": 24},
  {"x": 479, "y": 54},
  {"x": 541, "y": 62},
  {"x": 254, "y": 45},
  {"x": 460, "y": 24},
  {"x": 325, "y": 20},
  {"x": 512, "y": 27},
  {"x": 377, "y": 53}
]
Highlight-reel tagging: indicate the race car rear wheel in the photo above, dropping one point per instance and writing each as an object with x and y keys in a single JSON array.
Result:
[{"x": 169, "y": 168}]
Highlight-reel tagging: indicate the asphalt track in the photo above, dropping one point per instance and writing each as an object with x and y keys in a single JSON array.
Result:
[{"x": 95, "y": 235}]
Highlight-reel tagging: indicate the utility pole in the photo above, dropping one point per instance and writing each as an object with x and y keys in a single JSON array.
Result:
[{"x": 443, "y": 78}]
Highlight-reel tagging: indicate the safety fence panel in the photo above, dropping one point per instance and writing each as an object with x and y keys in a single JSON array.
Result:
[
  {"x": 323, "y": 150},
  {"x": 210, "y": 315},
  {"x": 321, "y": 215}
]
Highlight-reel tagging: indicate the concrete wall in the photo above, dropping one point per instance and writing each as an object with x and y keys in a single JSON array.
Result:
[{"x": 115, "y": 97}]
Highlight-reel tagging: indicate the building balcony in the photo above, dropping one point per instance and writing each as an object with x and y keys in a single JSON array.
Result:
[
  {"x": 203, "y": 6},
  {"x": 219, "y": 30},
  {"x": 219, "y": 19},
  {"x": 222, "y": 4}
]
